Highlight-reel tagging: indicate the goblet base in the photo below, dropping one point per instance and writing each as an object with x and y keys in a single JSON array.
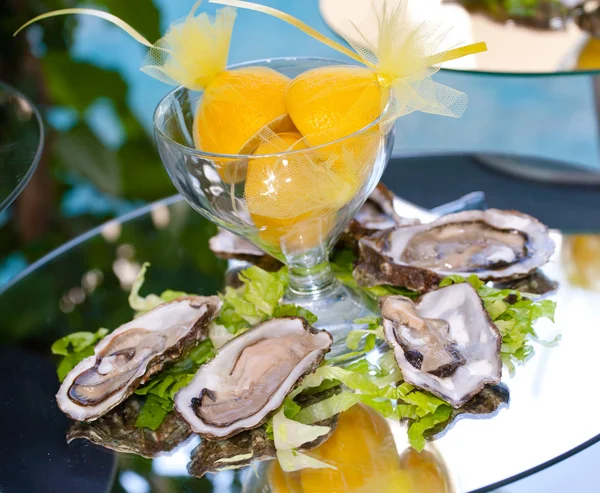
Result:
[{"x": 336, "y": 308}]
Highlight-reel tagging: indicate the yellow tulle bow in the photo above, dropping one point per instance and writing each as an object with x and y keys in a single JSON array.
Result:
[
  {"x": 192, "y": 52},
  {"x": 404, "y": 53}
]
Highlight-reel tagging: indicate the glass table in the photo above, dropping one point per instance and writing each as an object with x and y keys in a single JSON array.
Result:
[
  {"x": 539, "y": 78},
  {"x": 83, "y": 286},
  {"x": 21, "y": 143}
]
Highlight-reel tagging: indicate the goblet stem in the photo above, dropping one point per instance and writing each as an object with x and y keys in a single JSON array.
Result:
[
  {"x": 314, "y": 287},
  {"x": 311, "y": 281}
]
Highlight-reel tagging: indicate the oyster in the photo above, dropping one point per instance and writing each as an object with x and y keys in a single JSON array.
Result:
[
  {"x": 376, "y": 214},
  {"x": 116, "y": 431},
  {"x": 483, "y": 405},
  {"x": 251, "y": 376},
  {"x": 536, "y": 283},
  {"x": 128, "y": 357},
  {"x": 244, "y": 449},
  {"x": 493, "y": 244},
  {"x": 444, "y": 342}
]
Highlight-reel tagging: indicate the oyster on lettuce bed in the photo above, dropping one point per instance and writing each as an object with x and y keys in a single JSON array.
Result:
[
  {"x": 445, "y": 342},
  {"x": 494, "y": 245},
  {"x": 250, "y": 377},
  {"x": 243, "y": 449},
  {"x": 117, "y": 431},
  {"x": 129, "y": 356}
]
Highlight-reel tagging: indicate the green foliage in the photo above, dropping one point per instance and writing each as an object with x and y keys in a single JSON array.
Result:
[
  {"x": 257, "y": 300},
  {"x": 161, "y": 389},
  {"x": 74, "y": 348}
]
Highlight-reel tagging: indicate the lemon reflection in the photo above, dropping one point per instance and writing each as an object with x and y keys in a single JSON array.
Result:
[
  {"x": 581, "y": 257},
  {"x": 362, "y": 449}
]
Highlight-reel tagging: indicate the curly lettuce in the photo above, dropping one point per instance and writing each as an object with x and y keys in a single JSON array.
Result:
[{"x": 74, "y": 348}]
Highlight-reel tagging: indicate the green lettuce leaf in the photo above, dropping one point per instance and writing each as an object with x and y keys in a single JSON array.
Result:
[
  {"x": 153, "y": 412},
  {"x": 141, "y": 304},
  {"x": 160, "y": 390},
  {"x": 74, "y": 348},
  {"x": 262, "y": 289},
  {"x": 258, "y": 299},
  {"x": 294, "y": 311},
  {"x": 288, "y": 436},
  {"x": 417, "y": 429}
]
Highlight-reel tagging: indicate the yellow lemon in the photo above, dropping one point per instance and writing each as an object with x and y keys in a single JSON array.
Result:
[
  {"x": 234, "y": 107},
  {"x": 362, "y": 449},
  {"x": 581, "y": 256},
  {"x": 330, "y": 103},
  {"x": 589, "y": 58},
  {"x": 293, "y": 198},
  {"x": 426, "y": 472}
]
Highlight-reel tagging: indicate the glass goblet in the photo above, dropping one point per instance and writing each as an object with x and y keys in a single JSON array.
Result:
[{"x": 294, "y": 204}]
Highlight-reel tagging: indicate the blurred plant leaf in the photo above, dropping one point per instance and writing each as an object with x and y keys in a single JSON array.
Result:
[
  {"x": 141, "y": 14},
  {"x": 78, "y": 84},
  {"x": 79, "y": 150},
  {"x": 142, "y": 172}
]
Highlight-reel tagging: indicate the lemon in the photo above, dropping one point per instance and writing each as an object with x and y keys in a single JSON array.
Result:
[
  {"x": 589, "y": 58},
  {"x": 330, "y": 103},
  {"x": 426, "y": 473},
  {"x": 235, "y": 106},
  {"x": 293, "y": 198},
  {"x": 363, "y": 450}
]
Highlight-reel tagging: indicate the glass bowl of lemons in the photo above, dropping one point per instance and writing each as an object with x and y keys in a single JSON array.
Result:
[{"x": 269, "y": 153}]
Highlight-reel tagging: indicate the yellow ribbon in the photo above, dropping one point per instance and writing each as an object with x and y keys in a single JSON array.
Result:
[
  {"x": 97, "y": 13},
  {"x": 460, "y": 52},
  {"x": 305, "y": 28}
]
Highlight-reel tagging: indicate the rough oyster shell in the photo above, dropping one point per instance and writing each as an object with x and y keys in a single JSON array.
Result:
[
  {"x": 494, "y": 245},
  {"x": 116, "y": 431},
  {"x": 457, "y": 312},
  {"x": 376, "y": 214},
  {"x": 129, "y": 356},
  {"x": 251, "y": 376},
  {"x": 484, "y": 404}
]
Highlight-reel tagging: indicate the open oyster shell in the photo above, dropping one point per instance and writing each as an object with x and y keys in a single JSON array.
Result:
[
  {"x": 253, "y": 445},
  {"x": 129, "y": 356},
  {"x": 494, "y": 245},
  {"x": 450, "y": 331},
  {"x": 244, "y": 449},
  {"x": 116, "y": 431},
  {"x": 251, "y": 376}
]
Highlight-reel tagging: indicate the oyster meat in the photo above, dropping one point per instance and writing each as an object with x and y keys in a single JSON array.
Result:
[
  {"x": 129, "y": 356},
  {"x": 495, "y": 245},
  {"x": 445, "y": 342},
  {"x": 251, "y": 376}
]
